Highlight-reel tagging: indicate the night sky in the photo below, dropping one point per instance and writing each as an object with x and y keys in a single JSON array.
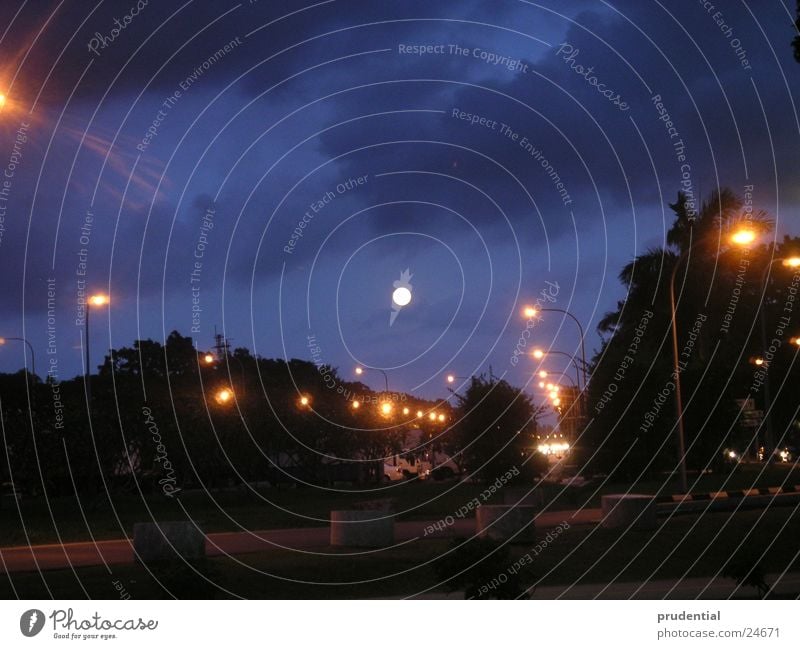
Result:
[{"x": 170, "y": 163}]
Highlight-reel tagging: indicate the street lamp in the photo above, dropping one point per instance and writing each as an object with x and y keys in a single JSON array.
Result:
[
  {"x": 386, "y": 408},
  {"x": 355, "y": 405},
  {"x": 360, "y": 370},
  {"x": 96, "y": 300},
  {"x": 742, "y": 237},
  {"x": 23, "y": 340},
  {"x": 224, "y": 396},
  {"x": 539, "y": 354},
  {"x": 208, "y": 359},
  {"x": 531, "y": 311},
  {"x": 787, "y": 262}
]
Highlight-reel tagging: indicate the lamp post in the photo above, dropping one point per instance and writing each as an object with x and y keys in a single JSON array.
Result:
[
  {"x": 360, "y": 370},
  {"x": 30, "y": 347},
  {"x": 741, "y": 237},
  {"x": 531, "y": 311},
  {"x": 94, "y": 300},
  {"x": 539, "y": 354},
  {"x": 769, "y": 439}
]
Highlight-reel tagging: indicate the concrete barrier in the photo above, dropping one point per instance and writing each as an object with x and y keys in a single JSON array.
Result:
[
  {"x": 362, "y": 528},
  {"x": 502, "y": 522},
  {"x": 152, "y": 541},
  {"x": 629, "y": 510},
  {"x": 525, "y": 496}
]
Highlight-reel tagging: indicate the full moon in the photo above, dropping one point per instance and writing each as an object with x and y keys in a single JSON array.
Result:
[{"x": 401, "y": 296}]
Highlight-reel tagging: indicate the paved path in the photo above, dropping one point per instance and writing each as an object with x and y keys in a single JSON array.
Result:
[
  {"x": 120, "y": 551},
  {"x": 693, "y": 588}
]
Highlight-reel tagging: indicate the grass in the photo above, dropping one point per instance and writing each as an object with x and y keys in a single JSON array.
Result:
[
  {"x": 695, "y": 546},
  {"x": 274, "y": 508}
]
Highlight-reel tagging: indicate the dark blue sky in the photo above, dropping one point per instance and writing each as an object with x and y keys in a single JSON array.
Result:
[{"x": 309, "y": 96}]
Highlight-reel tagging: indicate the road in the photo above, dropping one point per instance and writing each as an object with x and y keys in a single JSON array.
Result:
[{"x": 120, "y": 551}]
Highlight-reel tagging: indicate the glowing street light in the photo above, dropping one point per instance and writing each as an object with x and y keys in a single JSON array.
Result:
[
  {"x": 538, "y": 354},
  {"x": 30, "y": 347},
  {"x": 451, "y": 378},
  {"x": 792, "y": 262},
  {"x": 541, "y": 384},
  {"x": 2, "y": 100},
  {"x": 529, "y": 312},
  {"x": 795, "y": 341},
  {"x": 758, "y": 361},
  {"x": 360, "y": 370},
  {"x": 224, "y": 396},
  {"x": 208, "y": 359},
  {"x": 305, "y": 401},
  {"x": 386, "y": 408},
  {"x": 543, "y": 374},
  {"x": 742, "y": 237},
  {"x": 442, "y": 418},
  {"x": 355, "y": 405},
  {"x": 432, "y": 416},
  {"x": 406, "y": 411},
  {"x": 420, "y": 414},
  {"x": 97, "y": 300}
]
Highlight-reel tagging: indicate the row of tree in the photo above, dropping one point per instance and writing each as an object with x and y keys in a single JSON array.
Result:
[
  {"x": 721, "y": 299},
  {"x": 172, "y": 417}
]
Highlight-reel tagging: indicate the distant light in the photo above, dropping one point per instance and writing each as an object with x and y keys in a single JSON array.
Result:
[
  {"x": 356, "y": 405},
  {"x": 541, "y": 384},
  {"x": 98, "y": 300},
  {"x": 556, "y": 401},
  {"x": 386, "y": 408},
  {"x": 743, "y": 237},
  {"x": 304, "y": 400},
  {"x": 441, "y": 417},
  {"x": 529, "y": 312},
  {"x": 732, "y": 455},
  {"x": 553, "y": 394},
  {"x": 419, "y": 414},
  {"x": 208, "y": 358},
  {"x": 2, "y": 100},
  {"x": 795, "y": 341},
  {"x": 550, "y": 387},
  {"x": 401, "y": 296},
  {"x": 542, "y": 374},
  {"x": 359, "y": 370},
  {"x": 432, "y": 416},
  {"x": 406, "y": 411},
  {"x": 792, "y": 262},
  {"x": 224, "y": 395},
  {"x": 758, "y": 361},
  {"x": 537, "y": 353},
  {"x": 451, "y": 378}
]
